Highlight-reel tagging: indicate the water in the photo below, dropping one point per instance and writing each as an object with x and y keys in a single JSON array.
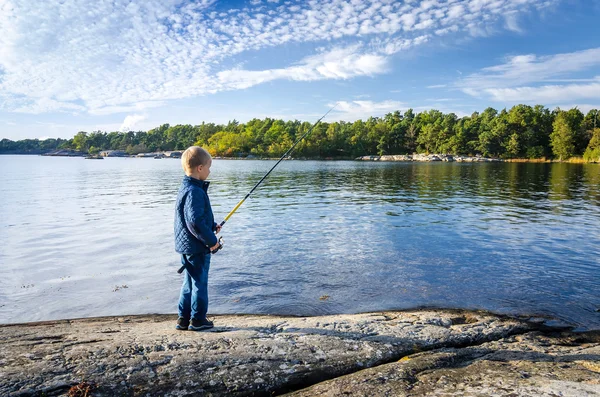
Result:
[{"x": 91, "y": 238}]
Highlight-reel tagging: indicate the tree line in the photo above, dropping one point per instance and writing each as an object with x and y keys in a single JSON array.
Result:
[{"x": 520, "y": 132}]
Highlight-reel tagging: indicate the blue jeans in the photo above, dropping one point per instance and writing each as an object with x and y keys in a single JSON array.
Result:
[{"x": 193, "y": 299}]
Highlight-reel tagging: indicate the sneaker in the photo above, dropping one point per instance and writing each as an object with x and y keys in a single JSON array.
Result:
[
  {"x": 199, "y": 325},
  {"x": 182, "y": 323}
]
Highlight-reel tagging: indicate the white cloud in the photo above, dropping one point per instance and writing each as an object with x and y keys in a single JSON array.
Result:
[
  {"x": 354, "y": 110},
  {"x": 339, "y": 63},
  {"x": 104, "y": 56},
  {"x": 131, "y": 122},
  {"x": 39, "y": 105},
  {"x": 526, "y": 69},
  {"x": 512, "y": 22},
  {"x": 126, "y": 108},
  {"x": 546, "y": 94},
  {"x": 529, "y": 78}
]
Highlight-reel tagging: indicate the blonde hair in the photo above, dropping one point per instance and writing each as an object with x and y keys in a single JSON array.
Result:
[{"x": 192, "y": 157}]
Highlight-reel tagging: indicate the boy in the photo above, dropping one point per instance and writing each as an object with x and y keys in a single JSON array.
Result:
[{"x": 195, "y": 238}]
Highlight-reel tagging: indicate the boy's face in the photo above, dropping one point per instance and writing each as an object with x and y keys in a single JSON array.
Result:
[{"x": 204, "y": 170}]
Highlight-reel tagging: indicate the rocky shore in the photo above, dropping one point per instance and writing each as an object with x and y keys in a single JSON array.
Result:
[
  {"x": 429, "y": 157},
  {"x": 416, "y": 353}
]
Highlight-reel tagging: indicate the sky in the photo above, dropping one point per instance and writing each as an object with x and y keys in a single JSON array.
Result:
[{"x": 115, "y": 65}]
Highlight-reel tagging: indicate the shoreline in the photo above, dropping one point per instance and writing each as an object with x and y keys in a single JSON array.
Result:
[
  {"x": 372, "y": 158},
  {"x": 539, "y": 319},
  {"x": 411, "y": 352},
  {"x": 543, "y": 320}
]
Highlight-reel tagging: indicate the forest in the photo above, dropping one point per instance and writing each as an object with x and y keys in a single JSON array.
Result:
[{"x": 523, "y": 131}]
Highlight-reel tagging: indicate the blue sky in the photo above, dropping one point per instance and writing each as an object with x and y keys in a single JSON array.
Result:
[{"x": 111, "y": 65}]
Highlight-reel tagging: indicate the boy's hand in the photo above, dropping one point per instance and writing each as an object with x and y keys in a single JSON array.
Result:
[
  {"x": 214, "y": 247},
  {"x": 218, "y": 229}
]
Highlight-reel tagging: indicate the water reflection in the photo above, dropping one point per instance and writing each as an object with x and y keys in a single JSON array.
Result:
[{"x": 513, "y": 238}]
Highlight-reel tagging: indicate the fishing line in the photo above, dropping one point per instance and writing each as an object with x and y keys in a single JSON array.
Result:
[{"x": 238, "y": 205}]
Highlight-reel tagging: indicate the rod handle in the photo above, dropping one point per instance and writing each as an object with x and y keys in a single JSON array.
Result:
[{"x": 182, "y": 268}]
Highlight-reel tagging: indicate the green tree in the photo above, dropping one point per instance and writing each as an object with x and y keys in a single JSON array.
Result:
[
  {"x": 357, "y": 140},
  {"x": 580, "y": 139},
  {"x": 225, "y": 144},
  {"x": 592, "y": 152},
  {"x": 537, "y": 138},
  {"x": 562, "y": 138},
  {"x": 97, "y": 139},
  {"x": 428, "y": 139},
  {"x": 136, "y": 149},
  {"x": 592, "y": 120},
  {"x": 391, "y": 140},
  {"x": 590, "y": 123},
  {"x": 204, "y": 131},
  {"x": 494, "y": 132},
  {"x": 431, "y": 131},
  {"x": 80, "y": 141},
  {"x": 412, "y": 129},
  {"x": 522, "y": 131}
]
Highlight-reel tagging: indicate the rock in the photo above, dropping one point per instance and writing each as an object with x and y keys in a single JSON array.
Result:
[
  {"x": 520, "y": 366},
  {"x": 425, "y": 157},
  {"x": 368, "y": 158},
  {"x": 65, "y": 152},
  {"x": 249, "y": 355},
  {"x": 398, "y": 157}
]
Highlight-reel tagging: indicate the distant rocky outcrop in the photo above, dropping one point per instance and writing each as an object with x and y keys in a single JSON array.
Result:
[
  {"x": 66, "y": 153},
  {"x": 417, "y": 353},
  {"x": 113, "y": 153},
  {"x": 427, "y": 157}
]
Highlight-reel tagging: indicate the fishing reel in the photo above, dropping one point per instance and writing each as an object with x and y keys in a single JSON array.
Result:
[{"x": 220, "y": 242}]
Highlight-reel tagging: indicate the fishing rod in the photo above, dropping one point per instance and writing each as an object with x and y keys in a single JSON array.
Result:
[{"x": 238, "y": 205}]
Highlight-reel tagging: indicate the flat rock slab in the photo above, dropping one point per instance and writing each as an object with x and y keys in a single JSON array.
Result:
[
  {"x": 528, "y": 365},
  {"x": 242, "y": 355}
]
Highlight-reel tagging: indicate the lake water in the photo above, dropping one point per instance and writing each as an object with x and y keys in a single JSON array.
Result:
[{"x": 84, "y": 238}]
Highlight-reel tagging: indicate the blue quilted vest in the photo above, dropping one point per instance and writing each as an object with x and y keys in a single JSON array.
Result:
[{"x": 194, "y": 220}]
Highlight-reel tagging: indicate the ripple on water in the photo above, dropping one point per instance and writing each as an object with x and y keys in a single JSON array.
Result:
[{"x": 515, "y": 238}]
